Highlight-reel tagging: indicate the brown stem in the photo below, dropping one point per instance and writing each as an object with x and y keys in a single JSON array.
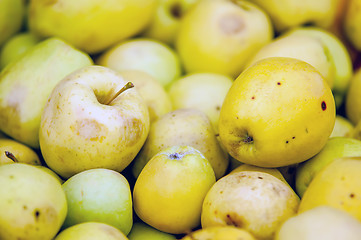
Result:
[
  {"x": 126, "y": 86},
  {"x": 11, "y": 156}
]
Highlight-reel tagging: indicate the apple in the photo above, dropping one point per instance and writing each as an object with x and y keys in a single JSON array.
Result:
[
  {"x": 335, "y": 147},
  {"x": 337, "y": 185},
  {"x": 32, "y": 204},
  {"x": 12, "y": 151},
  {"x": 343, "y": 127},
  {"x": 22, "y": 102},
  {"x": 284, "y": 116},
  {"x": 187, "y": 127},
  {"x": 142, "y": 231},
  {"x": 148, "y": 55},
  {"x": 93, "y": 119},
  {"x": 203, "y": 91},
  {"x": 91, "y": 231},
  {"x": 321, "y": 222},
  {"x": 170, "y": 189},
  {"x": 92, "y": 26},
  {"x": 16, "y": 46},
  {"x": 219, "y": 233},
  {"x": 165, "y": 23},
  {"x": 11, "y": 18},
  {"x": 219, "y": 36},
  {"x": 99, "y": 195},
  {"x": 351, "y": 28},
  {"x": 252, "y": 200},
  {"x": 353, "y": 98}
]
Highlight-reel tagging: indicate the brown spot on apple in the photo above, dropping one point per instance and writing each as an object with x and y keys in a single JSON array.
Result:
[
  {"x": 233, "y": 219},
  {"x": 89, "y": 129}
]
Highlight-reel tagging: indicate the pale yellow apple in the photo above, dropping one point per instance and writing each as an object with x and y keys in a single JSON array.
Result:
[
  {"x": 143, "y": 54},
  {"x": 190, "y": 127},
  {"x": 286, "y": 14},
  {"x": 219, "y": 36},
  {"x": 284, "y": 116},
  {"x": 353, "y": 98},
  {"x": 273, "y": 171},
  {"x": 337, "y": 185},
  {"x": 321, "y": 222},
  {"x": 255, "y": 201},
  {"x": 203, "y": 91},
  {"x": 91, "y": 231},
  {"x": 169, "y": 191},
  {"x": 152, "y": 91},
  {"x": 351, "y": 23},
  {"x": 13, "y": 151},
  {"x": 335, "y": 147},
  {"x": 12, "y": 13},
  {"x": 343, "y": 127},
  {"x": 90, "y": 25},
  {"x": 219, "y": 233},
  {"x": 22, "y": 102},
  {"x": 92, "y": 120}
]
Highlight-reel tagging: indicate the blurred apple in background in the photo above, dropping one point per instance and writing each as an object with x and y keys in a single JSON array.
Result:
[
  {"x": 93, "y": 119},
  {"x": 343, "y": 127},
  {"x": 142, "y": 231},
  {"x": 11, "y": 18},
  {"x": 353, "y": 98},
  {"x": 351, "y": 23},
  {"x": 90, "y": 25},
  {"x": 150, "y": 56},
  {"x": 219, "y": 36}
]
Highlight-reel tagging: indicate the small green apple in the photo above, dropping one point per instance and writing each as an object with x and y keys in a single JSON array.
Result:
[
  {"x": 219, "y": 36},
  {"x": 335, "y": 147},
  {"x": 91, "y": 231},
  {"x": 170, "y": 189},
  {"x": 32, "y": 204},
  {"x": 148, "y": 55},
  {"x": 12, "y": 13},
  {"x": 93, "y": 119},
  {"x": 13, "y": 151},
  {"x": 142, "y": 231},
  {"x": 91, "y": 25},
  {"x": 99, "y": 195}
]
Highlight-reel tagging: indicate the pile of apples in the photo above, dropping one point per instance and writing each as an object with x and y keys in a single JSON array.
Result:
[{"x": 180, "y": 119}]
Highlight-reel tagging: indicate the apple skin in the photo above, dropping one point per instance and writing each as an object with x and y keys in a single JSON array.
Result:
[
  {"x": 343, "y": 127},
  {"x": 32, "y": 204},
  {"x": 12, "y": 14},
  {"x": 91, "y": 231},
  {"x": 142, "y": 231},
  {"x": 335, "y": 147},
  {"x": 90, "y": 25},
  {"x": 79, "y": 131},
  {"x": 99, "y": 195},
  {"x": 170, "y": 189},
  {"x": 351, "y": 26},
  {"x": 219, "y": 233},
  {"x": 353, "y": 98},
  {"x": 21, "y": 152}
]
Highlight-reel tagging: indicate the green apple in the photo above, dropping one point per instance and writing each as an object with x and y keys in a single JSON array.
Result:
[
  {"x": 343, "y": 127},
  {"x": 32, "y": 204},
  {"x": 16, "y": 46},
  {"x": 219, "y": 233},
  {"x": 93, "y": 119},
  {"x": 292, "y": 13},
  {"x": 284, "y": 116},
  {"x": 12, "y": 14},
  {"x": 304, "y": 48},
  {"x": 26, "y": 84},
  {"x": 165, "y": 23},
  {"x": 321, "y": 222},
  {"x": 142, "y": 231},
  {"x": 90, "y": 25},
  {"x": 336, "y": 50},
  {"x": 148, "y": 55},
  {"x": 91, "y": 231},
  {"x": 219, "y": 36},
  {"x": 152, "y": 91},
  {"x": 252, "y": 200},
  {"x": 335, "y": 147},
  {"x": 190, "y": 127},
  {"x": 353, "y": 98},
  {"x": 13, "y": 151},
  {"x": 203, "y": 91},
  {"x": 351, "y": 26},
  {"x": 170, "y": 189},
  {"x": 99, "y": 195},
  {"x": 337, "y": 185}
]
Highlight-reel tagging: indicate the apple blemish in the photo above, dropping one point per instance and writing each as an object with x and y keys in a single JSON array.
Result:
[{"x": 323, "y": 106}]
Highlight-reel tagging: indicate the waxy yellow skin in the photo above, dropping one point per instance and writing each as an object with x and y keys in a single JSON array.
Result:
[
  {"x": 278, "y": 112},
  {"x": 21, "y": 152},
  {"x": 79, "y": 131},
  {"x": 219, "y": 233}
]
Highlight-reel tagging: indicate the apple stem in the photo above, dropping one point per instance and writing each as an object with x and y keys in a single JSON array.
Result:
[
  {"x": 126, "y": 86},
  {"x": 11, "y": 156}
]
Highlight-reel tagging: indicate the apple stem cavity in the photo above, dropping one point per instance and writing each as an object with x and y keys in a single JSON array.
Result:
[
  {"x": 11, "y": 156},
  {"x": 128, "y": 85}
]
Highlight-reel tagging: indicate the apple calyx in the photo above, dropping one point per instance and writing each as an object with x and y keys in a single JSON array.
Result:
[
  {"x": 11, "y": 156},
  {"x": 128, "y": 85},
  {"x": 175, "y": 156}
]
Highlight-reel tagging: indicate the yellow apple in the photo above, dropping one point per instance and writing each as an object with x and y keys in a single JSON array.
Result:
[
  {"x": 219, "y": 233},
  {"x": 12, "y": 13},
  {"x": 13, "y": 151},
  {"x": 142, "y": 231},
  {"x": 351, "y": 26},
  {"x": 343, "y": 127},
  {"x": 353, "y": 98},
  {"x": 284, "y": 116}
]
